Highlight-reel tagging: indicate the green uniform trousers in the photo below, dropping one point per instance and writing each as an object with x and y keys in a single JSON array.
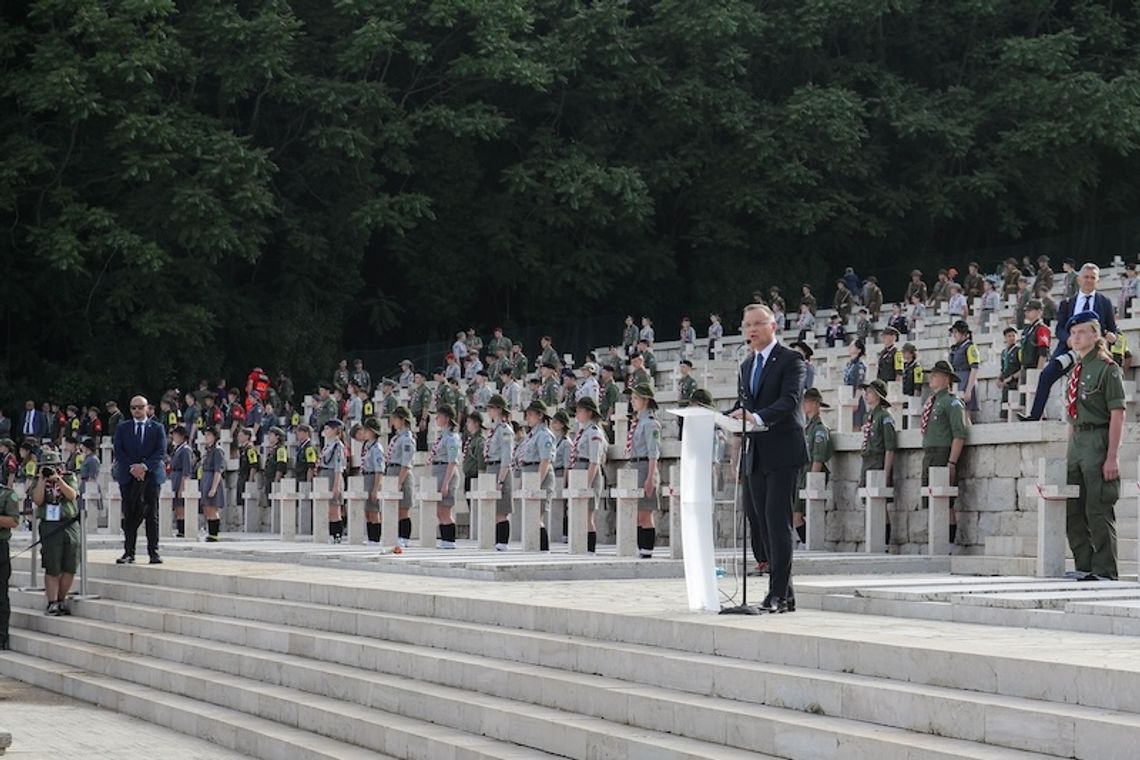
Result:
[{"x": 1090, "y": 519}]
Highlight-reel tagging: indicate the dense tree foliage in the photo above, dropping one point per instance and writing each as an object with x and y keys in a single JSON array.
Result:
[{"x": 187, "y": 187}]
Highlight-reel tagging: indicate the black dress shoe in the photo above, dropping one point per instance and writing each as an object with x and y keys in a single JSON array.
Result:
[
  {"x": 126, "y": 559},
  {"x": 791, "y": 603},
  {"x": 774, "y": 605},
  {"x": 1028, "y": 418},
  {"x": 155, "y": 559}
]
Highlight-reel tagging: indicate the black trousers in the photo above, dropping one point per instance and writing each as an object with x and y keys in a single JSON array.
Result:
[
  {"x": 5, "y": 577},
  {"x": 140, "y": 504},
  {"x": 768, "y": 498}
]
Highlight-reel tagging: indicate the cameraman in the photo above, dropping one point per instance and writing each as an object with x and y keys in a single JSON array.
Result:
[{"x": 55, "y": 495}]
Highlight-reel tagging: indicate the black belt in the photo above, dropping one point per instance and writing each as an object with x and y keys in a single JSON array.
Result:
[
  {"x": 529, "y": 464},
  {"x": 638, "y": 459},
  {"x": 496, "y": 461},
  {"x": 583, "y": 459},
  {"x": 559, "y": 470},
  {"x": 1092, "y": 426},
  {"x": 396, "y": 467}
]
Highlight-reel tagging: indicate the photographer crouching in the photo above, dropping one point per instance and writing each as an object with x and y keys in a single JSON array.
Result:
[{"x": 55, "y": 495}]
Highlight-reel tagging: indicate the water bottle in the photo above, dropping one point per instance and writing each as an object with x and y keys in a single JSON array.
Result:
[{"x": 720, "y": 572}]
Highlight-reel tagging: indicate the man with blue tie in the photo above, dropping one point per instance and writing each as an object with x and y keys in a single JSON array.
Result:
[
  {"x": 771, "y": 397},
  {"x": 1086, "y": 299},
  {"x": 34, "y": 424},
  {"x": 140, "y": 445}
]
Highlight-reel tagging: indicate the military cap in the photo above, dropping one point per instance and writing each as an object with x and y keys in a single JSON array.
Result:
[
  {"x": 1043, "y": 259},
  {"x": 304, "y": 427},
  {"x": 590, "y": 367},
  {"x": 211, "y": 430},
  {"x": 535, "y": 380},
  {"x": 179, "y": 430},
  {"x": 815, "y": 395},
  {"x": 803, "y": 347},
  {"x": 880, "y": 389},
  {"x": 402, "y": 413},
  {"x": 325, "y": 386},
  {"x": 1034, "y": 303},
  {"x": 1070, "y": 262},
  {"x": 447, "y": 410},
  {"x": 89, "y": 443},
  {"x": 645, "y": 391},
  {"x": 687, "y": 363},
  {"x": 974, "y": 264},
  {"x": 536, "y": 405},
  {"x": 960, "y": 326},
  {"x": 51, "y": 456},
  {"x": 1081, "y": 317},
  {"x": 888, "y": 330},
  {"x": 419, "y": 372},
  {"x": 942, "y": 367},
  {"x": 608, "y": 368},
  {"x": 389, "y": 383},
  {"x": 561, "y": 416},
  {"x": 8, "y": 442},
  {"x": 873, "y": 279},
  {"x": 702, "y": 397},
  {"x": 589, "y": 405},
  {"x": 497, "y": 401},
  {"x": 277, "y": 431}
]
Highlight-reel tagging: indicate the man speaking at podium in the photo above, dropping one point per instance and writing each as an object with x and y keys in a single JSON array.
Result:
[{"x": 771, "y": 395}]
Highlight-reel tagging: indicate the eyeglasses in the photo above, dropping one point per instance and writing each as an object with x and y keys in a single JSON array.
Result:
[{"x": 138, "y": 406}]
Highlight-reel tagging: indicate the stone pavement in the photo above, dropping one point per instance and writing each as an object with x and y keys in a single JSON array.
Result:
[{"x": 49, "y": 726}]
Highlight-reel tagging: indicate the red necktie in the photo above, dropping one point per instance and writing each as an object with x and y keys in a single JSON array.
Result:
[
  {"x": 926, "y": 412},
  {"x": 867, "y": 430},
  {"x": 629, "y": 436},
  {"x": 1074, "y": 384}
]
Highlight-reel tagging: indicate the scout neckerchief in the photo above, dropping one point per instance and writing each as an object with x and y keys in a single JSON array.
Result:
[{"x": 1074, "y": 384}]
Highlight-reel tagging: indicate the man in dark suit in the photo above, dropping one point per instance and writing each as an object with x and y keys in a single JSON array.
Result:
[
  {"x": 1086, "y": 299},
  {"x": 33, "y": 424},
  {"x": 771, "y": 396},
  {"x": 140, "y": 445}
]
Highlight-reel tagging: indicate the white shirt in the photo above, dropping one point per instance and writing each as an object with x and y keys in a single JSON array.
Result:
[
  {"x": 762, "y": 355},
  {"x": 1081, "y": 301}
]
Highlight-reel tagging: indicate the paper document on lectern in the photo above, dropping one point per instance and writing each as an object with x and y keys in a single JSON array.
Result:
[{"x": 730, "y": 425}]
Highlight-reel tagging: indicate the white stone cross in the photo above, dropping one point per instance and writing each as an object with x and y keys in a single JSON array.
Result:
[
  {"x": 114, "y": 511},
  {"x": 531, "y": 497},
  {"x": 874, "y": 496},
  {"x": 619, "y": 415},
  {"x": 355, "y": 497},
  {"x": 486, "y": 497},
  {"x": 92, "y": 504},
  {"x": 672, "y": 492},
  {"x": 321, "y": 496},
  {"x": 580, "y": 498},
  {"x": 390, "y": 496},
  {"x": 1052, "y": 494},
  {"x": 251, "y": 504},
  {"x": 848, "y": 396},
  {"x": 938, "y": 495},
  {"x": 815, "y": 495},
  {"x": 166, "y": 510},
  {"x": 428, "y": 500},
  {"x": 913, "y": 413},
  {"x": 1028, "y": 390},
  {"x": 627, "y": 493},
  {"x": 285, "y": 496}
]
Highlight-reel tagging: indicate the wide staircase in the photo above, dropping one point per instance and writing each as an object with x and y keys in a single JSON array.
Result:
[{"x": 363, "y": 667}]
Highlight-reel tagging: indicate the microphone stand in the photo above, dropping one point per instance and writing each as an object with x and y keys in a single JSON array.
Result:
[{"x": 744, "y": 608}]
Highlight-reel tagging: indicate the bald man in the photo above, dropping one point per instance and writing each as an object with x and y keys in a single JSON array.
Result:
[{"x": 140, "y": 444}]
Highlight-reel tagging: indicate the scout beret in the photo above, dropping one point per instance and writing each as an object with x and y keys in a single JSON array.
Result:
[
  {"x": 942, "y": 367},
  {"x": 815, "y": 395},
  {"x": 702, "y": 397},
  {"x": 588, "y": 403},
  {"x": 1081, "y": 317},
  {"x": 880, "y": 389},
  {"x": 537, "y": 406},
  {"x": 803, "y": 347},
  {"x": 608, "y": 368},
  {"x": 210, "y": 430},
  {"x": 687, "y": 363}
]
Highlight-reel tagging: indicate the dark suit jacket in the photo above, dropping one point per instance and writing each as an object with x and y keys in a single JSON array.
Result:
[
  {"x": 1100, "y": 304},
  {"x": 129, "y": 451},
  {"x": 779, "y": 403},
  {"x": 39, "y": 425}
]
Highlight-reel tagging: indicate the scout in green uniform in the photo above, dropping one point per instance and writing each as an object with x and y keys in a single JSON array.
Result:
[
  {"x": 629, "y": 335},
  {"x": 549, "y": 355},
  {"x": 1094, "y": 396},
  {"x": 55, "y": 495},
  {"x": 550, "y": 389},
  {"x": 820, "y": 448},
  {"x": 686, "y": 384},
  {"x": 842, "y": 302},
  {"x": 943, "y": 427},
  {"x": 1010, "y": 373},
  {"x": 638, "y": 375},
  {"x": 473, "y": 449},
  {"x": 520, "y": 365},
  {"x": 9, "y": 519},
  {"x": 420, "y": 408},
  {"x": 916, "y": 288},
  {"x": 326, "y": 406},
  {"x": 880, "y": 438},
  {"x": 389, "y": 403}
]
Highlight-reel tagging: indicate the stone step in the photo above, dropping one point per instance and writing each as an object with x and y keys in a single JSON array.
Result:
[
  {"x": 347, "y": 703},
  {"x": 655, "y": 674},
  {"x": 1026, "y": 546},
  {"x": 981, "y": 564},
  {"x": 860, "y": 645},
  {"x": 252, "y": 736}
]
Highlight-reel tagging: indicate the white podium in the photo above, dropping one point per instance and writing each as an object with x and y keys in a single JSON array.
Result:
[{"x": 696, "y": 503}]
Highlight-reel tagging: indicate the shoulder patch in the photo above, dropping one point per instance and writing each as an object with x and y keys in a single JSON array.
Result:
[
  {"x": 821, "y": 434},
  {"x": 956, "y": 401},
  {"x": 888, "y": 420}
]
